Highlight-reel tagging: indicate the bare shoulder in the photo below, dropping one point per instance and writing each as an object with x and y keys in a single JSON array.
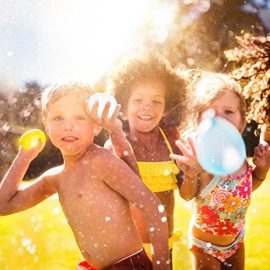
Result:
[
  {"x": 98, "y": 154},
  {"x": 51, "y": 176},
  {"x": 99, "y": 157},
  {"x": 173, "y": 134}
]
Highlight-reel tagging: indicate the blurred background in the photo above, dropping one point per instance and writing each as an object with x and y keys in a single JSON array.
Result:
[{"x": 45, "y": 42}]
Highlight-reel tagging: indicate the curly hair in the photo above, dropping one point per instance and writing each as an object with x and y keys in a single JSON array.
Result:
[{"x": 152, "y": 67}]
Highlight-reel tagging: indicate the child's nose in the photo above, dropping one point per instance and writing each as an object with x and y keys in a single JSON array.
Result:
[
  {"x": 147, "y": 106},
  {"x": 69, "y": 126}
]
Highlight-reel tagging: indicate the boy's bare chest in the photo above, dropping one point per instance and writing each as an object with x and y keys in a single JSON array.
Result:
[{"x": 76, "y": 182}]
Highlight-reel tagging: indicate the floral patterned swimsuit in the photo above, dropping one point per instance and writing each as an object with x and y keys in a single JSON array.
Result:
[{"x": 220, "y": 209}]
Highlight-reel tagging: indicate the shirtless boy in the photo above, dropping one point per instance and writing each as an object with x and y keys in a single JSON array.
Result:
[{"x": 94, "y": 187}]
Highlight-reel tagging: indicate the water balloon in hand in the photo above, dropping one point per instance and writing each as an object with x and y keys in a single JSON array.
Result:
[
  {"x": 102, "y": 99},
  {"x": 30, "y": 139}
]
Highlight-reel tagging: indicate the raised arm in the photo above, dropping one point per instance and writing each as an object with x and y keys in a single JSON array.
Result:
[
  {"x": 261, "y": 160},
  {"x": 12, "y": 198},
  {"x": 129, "y": 185},
  {"x": 188, "y": 164},
  {"x": 118, "y": 143}
]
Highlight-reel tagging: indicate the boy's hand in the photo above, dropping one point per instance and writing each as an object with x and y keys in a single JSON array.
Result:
[
  {"x": 112, "y": 124},
  {"x": 32, "y": 153},
  {"x": 261, "y": 156},
  {"x": 187, "y": 163}
]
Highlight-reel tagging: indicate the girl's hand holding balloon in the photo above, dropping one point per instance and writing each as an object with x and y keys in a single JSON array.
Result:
[{"x": 187, "y": 163}]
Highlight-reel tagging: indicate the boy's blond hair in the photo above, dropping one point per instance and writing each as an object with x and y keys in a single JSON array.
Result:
[
  {"x": 53, "y": 93},
  {"x": 210, "y": 87}
]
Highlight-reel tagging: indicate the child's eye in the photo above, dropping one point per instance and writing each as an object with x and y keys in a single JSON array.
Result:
[
  {"x": 137, "y": 100},
  {"x": 157, "y": 101},
  {"x": 80, "y": 117},
  {"x": 58, "y": 118},
  {"x": 228, "y": 112}
]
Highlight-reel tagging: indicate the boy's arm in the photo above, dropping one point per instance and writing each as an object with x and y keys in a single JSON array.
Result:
[
  {"x": 123, "y": 180},
  {"x": 118, "y": 143},
  {"x": 261, "y": 160},
  {"x": 13, "y": 199}
]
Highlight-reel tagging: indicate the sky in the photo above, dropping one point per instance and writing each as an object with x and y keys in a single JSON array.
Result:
[{"x": 56, "y": 40}]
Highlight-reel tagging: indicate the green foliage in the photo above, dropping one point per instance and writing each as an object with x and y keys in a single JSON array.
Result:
[{"x": 250, "y": 65}]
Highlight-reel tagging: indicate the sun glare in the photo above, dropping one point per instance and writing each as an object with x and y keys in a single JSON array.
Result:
[{"x": 83, "y": 40}]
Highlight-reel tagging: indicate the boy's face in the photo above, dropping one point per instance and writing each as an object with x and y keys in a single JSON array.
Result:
[
  {"x": 68, "y": 125},
  {"x": 146, "y": 105}
]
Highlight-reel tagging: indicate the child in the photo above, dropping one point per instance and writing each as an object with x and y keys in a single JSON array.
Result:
[
  {"x": 153, "y": 100},
  {"x": 218, "y": 224},
  {"x": 94, "y": 188}
]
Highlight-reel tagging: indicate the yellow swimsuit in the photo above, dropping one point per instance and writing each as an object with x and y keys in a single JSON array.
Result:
[{"x": 159, "y": 176}]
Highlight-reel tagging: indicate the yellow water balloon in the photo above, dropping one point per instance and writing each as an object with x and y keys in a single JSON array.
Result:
[{"x": 30, "y": 139}]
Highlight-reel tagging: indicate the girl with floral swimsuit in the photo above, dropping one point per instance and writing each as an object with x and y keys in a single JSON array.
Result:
[{"x": 217, "y": 228}]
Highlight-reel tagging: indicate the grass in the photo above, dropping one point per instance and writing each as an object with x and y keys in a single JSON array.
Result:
[{"x": 39, "y": 238}]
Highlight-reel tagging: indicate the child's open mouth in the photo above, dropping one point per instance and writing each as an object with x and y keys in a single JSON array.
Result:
[
  {"x": 145, "y": 117},
  {"x": 69, "y": 139}
]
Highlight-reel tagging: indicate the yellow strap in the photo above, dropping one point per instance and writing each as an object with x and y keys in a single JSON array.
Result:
[
  {"x": 165, "y": 139},
  {"x": 176, "y": 237}
]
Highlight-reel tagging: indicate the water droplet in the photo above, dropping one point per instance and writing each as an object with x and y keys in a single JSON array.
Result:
[
  {"x": 163, "y": 219},
  {"x": 56, "y": 210},
  {"x": 166, "y": 172},
  {"x": 161, "y": 208}
]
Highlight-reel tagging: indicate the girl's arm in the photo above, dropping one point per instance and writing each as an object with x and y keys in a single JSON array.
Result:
[
  {"x": 12, "y": 198},
  {"x": 190, "y": 167},
  {"x": 261, "y": 160}
]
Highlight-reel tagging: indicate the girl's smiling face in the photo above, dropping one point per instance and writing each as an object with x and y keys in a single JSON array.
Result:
[{"x": 146, "y": 105}]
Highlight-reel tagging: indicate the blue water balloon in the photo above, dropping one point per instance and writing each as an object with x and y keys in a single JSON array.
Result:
[{"x": 219, "y": 146}]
